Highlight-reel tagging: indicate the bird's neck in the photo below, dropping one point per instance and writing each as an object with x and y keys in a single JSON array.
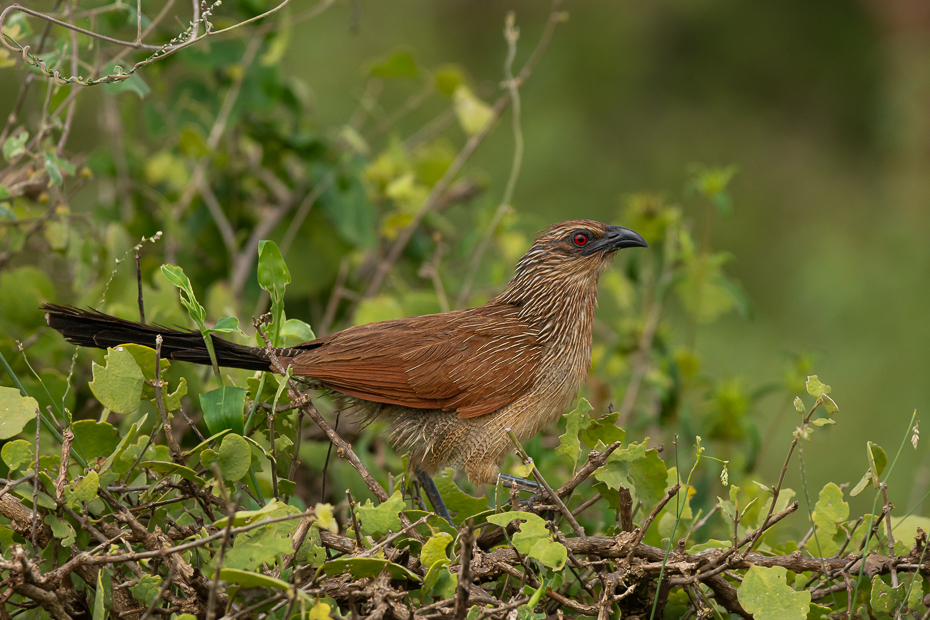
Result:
[{"x": 561, "y": 308}]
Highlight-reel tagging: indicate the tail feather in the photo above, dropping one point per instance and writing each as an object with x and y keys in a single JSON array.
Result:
[{"x": 90, "y": 328}]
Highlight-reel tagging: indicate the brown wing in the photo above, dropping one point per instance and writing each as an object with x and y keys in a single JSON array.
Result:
[{"x": 472, "y": 361}]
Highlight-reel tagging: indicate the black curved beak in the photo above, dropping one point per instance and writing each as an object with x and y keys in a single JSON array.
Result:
[{"x": 618, "y": 237}]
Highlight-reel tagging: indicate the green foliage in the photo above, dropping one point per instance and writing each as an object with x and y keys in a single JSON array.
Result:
[
  {"x": 15, "y": 412},
  {"x": 533, "y": 539},
  {"x": 118, "y": 385},
  {"x": 766, "y": 596},
  {"x": 383, "y": 518}
]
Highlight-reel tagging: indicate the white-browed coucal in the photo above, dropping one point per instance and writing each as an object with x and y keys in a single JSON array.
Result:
[{"x": 449, "y": 383}]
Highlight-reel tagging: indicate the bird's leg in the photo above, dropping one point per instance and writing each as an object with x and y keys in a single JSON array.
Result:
[
  {"x": 432, "y": 494},
  {"x": 519, "y": 483}
]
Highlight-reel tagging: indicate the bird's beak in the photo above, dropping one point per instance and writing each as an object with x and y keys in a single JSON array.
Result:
[{"x": 619, "y": 237}]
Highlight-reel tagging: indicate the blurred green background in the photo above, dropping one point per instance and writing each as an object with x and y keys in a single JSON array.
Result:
[{"x": 822, "y": 107}]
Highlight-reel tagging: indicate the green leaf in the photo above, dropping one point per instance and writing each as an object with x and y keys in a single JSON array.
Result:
[
  {"x": 649, "y": 476},
  {"x": 248, "y": 579},
  {"x": 799, "y": 405},
  {"x": 605, "y": 430},
  {"x": 61, "y": 529},
  {"x": 447, "y": 78},
  {"x": 145, "y": 359},
  {"x": 118, "y": 385},
  {"x": 203, "y": 445},
  {"x": 383, "y": 518},
  {"x": 15, "y": 146},
  {"x": 829, "y": 404},
  {"x": 765, "y": 594},
  {"x": 440, "y": 582},
  {"x": 263, "y": 546},
  {"x": 54, "y": 174},
  {"x": 576, "y": 422},
  {"x": 222, "y": 409},
  {"x": 877, "y": 461},
  {"x": 172, "y": 401},
  {"x": 273, "y": 274},
  {"x": 860, "y": 486},
  {"x": 16, "y": 411},
  {"x": 368, "y": 567},
  {"x": 399, "y": 65},
  {"x": 473, "y": 113},
  {"x": 819, "y": 612},
  {"x": 17, "y": 453},
  {"x": 171, "y": 469},
  {"x": 147, "y": 589},
  {"x": 460, "y": 503},
  {"x": 533, "y": 538},
  {"x": 84, "y": 491},
  {"x": 235, "y": 456},
  {"x": 124, "y": 443},
  {"x": 175, "y": 275},
  {"x": 295, "y": 331},
  {"x": 815, "y": 388},
  {"x": 914, "y": 591},
  {"x": 434, "y": 550},
  {"x": 132, "y": 84},
  {"x": 885, "y": 599},
  {"x": 244, "y": 517},
  {"x": 226, "y": 325},
  {"x": 830, "y": 509},
  {"x": 823, "y": 421},
  {"x": 100, "y": 610},
  {"x": 95, "y": 439}
]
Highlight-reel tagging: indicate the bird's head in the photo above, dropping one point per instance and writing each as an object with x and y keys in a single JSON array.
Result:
[{"x": 579, "y": 249}]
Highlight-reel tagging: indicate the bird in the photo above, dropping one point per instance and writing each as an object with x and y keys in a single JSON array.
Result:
[{"x": 451, "y": 384}]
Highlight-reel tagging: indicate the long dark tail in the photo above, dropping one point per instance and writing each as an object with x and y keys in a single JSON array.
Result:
[{"x": 90, "y": 328}]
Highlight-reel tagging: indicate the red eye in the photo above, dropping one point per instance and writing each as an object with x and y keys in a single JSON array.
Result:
[{"x": 580, "y": 239}]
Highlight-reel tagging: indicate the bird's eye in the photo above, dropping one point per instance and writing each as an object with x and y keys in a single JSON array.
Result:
[{"x": 580, "y": 239}]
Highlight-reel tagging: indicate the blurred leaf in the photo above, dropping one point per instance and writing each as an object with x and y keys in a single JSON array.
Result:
[
  {"x": 16, "y": 411},
  {"x": 118, "y": 385},
  {"x": 799, "y": 405},
  {"x": 533, "y": 538},
  {"x": 132, "y": 84},
  {"x": 473, "y": 113},
  {"x": 165, "y": 167},
  {"x": 382, "y": 518},
  {"x": 447, "y": 78},
  {"x": 124, "y": 443},
  {"x": 765, "y": 594},
  {"x": 222, "y": 409},
  {"x": 15, "y": 146},
  {"x": 100, "y": 610},
  {"x": 400, "y": 65}
]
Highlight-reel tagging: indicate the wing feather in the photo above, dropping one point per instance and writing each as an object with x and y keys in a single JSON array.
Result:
[{"x": 471, "y": 361}]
